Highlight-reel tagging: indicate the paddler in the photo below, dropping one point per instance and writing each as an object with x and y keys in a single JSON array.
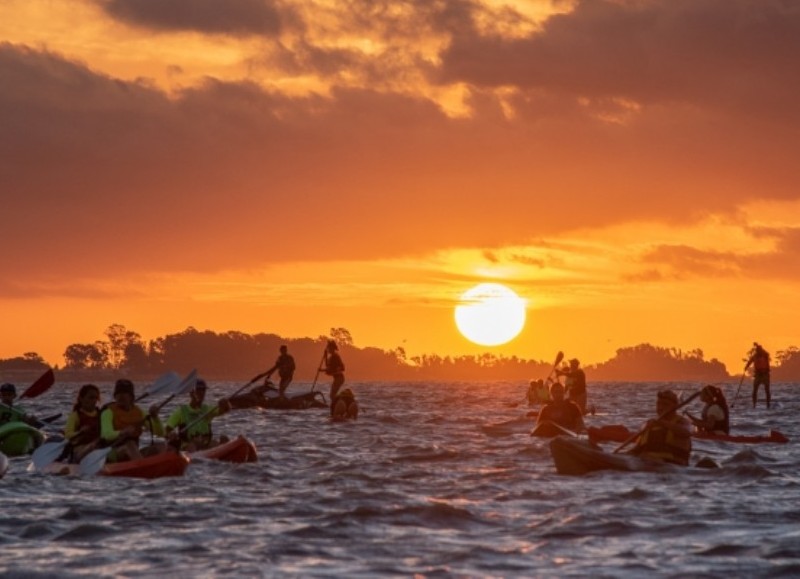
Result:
[
  {"x": 667, "y": 438},
  {"x": 334, "y": 366},
  {"x": 575, "y": 382},
  {"x": 11, "y": 413},
  {"x": 199, "y": 416},
  {"x": 759, "y": 359},
  {"x": 715, "y": 417},
  {"x": 122, "y": 423},
  {"x": 83, "y": 424},
  {"x": 565, "y": 413},
  {"x": 345, "y": 406}
]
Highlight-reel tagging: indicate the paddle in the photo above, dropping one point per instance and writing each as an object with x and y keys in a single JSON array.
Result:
[
  {"x": 42, "y": 385},
  {"x": 559, "y": 357},
  {"x": 740, "y": 386},
  {"x": 49, "y": 452},
  {"x": 319, "y": 369},
  {"x": 660, "y": 417}
]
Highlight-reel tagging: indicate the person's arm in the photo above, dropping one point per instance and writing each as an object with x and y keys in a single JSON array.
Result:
[
  {"x": 153, "y": 422},
  {"x": 107, "y": 431},
  {"x": 71, "y": 428},
  {"x": 174, "y": 421}
]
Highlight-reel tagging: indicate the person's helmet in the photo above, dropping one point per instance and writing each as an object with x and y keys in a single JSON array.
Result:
[
  {"x": 123, "y": 386},
  {"x": 332, "y": 345},
  {"x": 347, "y": 393},
  {"x": 574, "y": 362},
  {"x": 8, "y": 387}
]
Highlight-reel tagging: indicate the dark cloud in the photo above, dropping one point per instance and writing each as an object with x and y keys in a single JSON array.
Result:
[
  {"x": 720, "y": 54},
  {"x": 229, "y": 17},
  {"x": 102, "y": 176}
]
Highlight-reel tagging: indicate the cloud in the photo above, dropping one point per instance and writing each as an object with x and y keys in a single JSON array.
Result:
[
  {"x": 229, "y": 17},
  {"x": 735, "y": 55}
]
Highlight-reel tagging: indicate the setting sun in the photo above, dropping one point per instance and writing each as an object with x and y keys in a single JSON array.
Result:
[{"x": 490, "y": 314}]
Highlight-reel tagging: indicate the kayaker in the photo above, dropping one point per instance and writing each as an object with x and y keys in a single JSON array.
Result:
[
  {"x": 334, "y": 366},
  {"x": 11, "y": 413},
  {"x": 199, "y": 416},
  {"x": 575, "y": 383},
  {"x": 345, "y": 406},
  {"x": 537, "y": 393},
  {"x": 715, "y": 417},
  {"x": 122, "y": 423},
  {"x": 285, "y": 367},
  {"x": 83, "y": 424},
  {"x": 667, "y": 438},
  {"x": 565, "y": 413},
  {"x": 759, "y": 359}
]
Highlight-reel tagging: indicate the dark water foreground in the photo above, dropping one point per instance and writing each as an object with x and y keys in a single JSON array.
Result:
[{"x": 434, "y": 480}]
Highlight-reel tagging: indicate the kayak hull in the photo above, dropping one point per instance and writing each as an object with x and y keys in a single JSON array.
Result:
[
  {"x": 239, "y": 450},
  {"x": 620, "y": 433},
  {"x": 575, "y": 457},
  {"x": 19, "y": 438},
  {"x": 165, "y": 464},
  {"x": 297, "y": 402}
]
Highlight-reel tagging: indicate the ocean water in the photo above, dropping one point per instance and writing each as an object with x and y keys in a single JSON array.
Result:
[{"x": 433, "y": 480}]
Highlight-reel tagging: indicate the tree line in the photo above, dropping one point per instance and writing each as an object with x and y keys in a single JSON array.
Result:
[{"x": 237, "y": 356}]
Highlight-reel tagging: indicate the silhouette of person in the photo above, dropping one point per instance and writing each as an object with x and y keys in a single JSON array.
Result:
[
  {"x": 285, "y": 367},
  {"x": 334, "y": 366},
  {"x": 759, "y": 358}
]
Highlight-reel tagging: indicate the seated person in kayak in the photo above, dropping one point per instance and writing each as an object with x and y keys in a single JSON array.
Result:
[
  {"x": 668, "y": 437},
  {"x": 715, "y": 417},
  {"x": 83, "y": 424},
  {"x": 197, "y": 416},
  {"x": 538, "y": 393},
  {"x": 565, "y": 413},
  {"x": 122, "y": 423},
  {"x": 345, "y": 406},
  {"x": 11, "y": 413}
]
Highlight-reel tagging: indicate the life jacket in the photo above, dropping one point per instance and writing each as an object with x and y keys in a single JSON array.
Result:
[
  {"x": 718, "y": 425},
  {"x": 335, "y": 365},
  {"x": 661, "y": 444},
  {"x": 761, "y": 361},
  {"x": 124, "y": 418},
  {"x": 90, "y": 420},
  {"x": 11, "y": 414}
]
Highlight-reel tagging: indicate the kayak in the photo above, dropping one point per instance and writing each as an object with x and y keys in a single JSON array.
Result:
[
  {"x": 575, "y": 457},
  {"x": 259, "y": 400},
  {"x": 620, "y": 433},
  {"x": 157, "y": 466},
  {"x": 240, "y": 449},
  {"x": 19, "y": 438},
  {"x": 773, "y": 436},
  {"x": 549, "y": 429},
  {"x": 3, "y": 464}
]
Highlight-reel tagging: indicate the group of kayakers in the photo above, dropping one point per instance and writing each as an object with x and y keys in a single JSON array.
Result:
[
  {"x": 121, "y": 423},
  {"x": 667, "y": 437}
]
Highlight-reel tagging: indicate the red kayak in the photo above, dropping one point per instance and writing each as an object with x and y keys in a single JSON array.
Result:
[
  {"x": 159, "y": 465},
  {"x": 240, "y": 449},
  {"x": 620, "y": 433}
]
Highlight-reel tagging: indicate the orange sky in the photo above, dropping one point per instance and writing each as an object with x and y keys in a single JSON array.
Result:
[{"x": 627, "y": 167}]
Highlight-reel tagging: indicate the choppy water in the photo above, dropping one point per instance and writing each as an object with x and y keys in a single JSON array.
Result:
[{"x": 433, "y": 480}]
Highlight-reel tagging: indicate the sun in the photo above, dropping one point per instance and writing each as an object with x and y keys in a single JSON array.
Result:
[{"x": 490, "y": 314}]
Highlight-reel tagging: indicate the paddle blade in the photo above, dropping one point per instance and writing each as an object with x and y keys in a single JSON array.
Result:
[
  {"x": 559, "y": 357},
  {"x": 187, "y": 383},
  {"x": 165, "y": 383},
  {"x": 47, "y": 454},
  {"x": 94, "y": 462},
  {"x": 42, "y": 385}
]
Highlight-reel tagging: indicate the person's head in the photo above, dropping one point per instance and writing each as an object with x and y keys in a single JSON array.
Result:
[
  {"x": 557, "y": 391},
  {"x": 332, "y": 347},
  {"x": 347, "y": 394},
  {"x": 667, "y": 400},
  {"x": 198, "y": 393},
  {"x": 574, "y": 363},
  {"x": 123, "y": 392},
  {"x": 88, "y": 397},
  {"x": 7, "y": 393},
  {"x": 284, "y": 349}
]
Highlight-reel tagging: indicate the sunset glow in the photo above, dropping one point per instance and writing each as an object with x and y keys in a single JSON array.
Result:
[
  {"x": 289, "y": 167},
  {"x": 490, "y": 314}
]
